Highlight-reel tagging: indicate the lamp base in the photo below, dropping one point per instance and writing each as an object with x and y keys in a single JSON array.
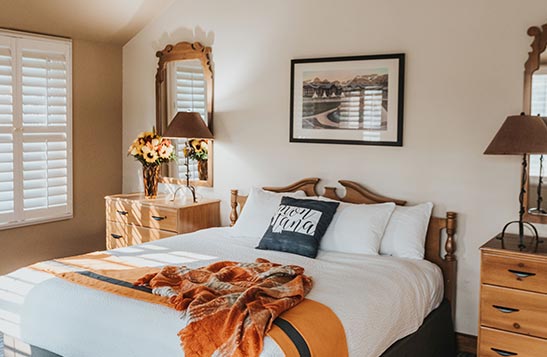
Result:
[{"x": 522, "y": 246}]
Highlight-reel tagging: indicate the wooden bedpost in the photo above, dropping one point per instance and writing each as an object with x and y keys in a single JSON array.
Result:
[
  {"x": 450, "y": 258},
  {"x": 450, "y": 245},
  {"x": 233, "y": 205}
]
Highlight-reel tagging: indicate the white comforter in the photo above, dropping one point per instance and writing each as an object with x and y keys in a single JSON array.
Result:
[{"x": 378, "y": 299}]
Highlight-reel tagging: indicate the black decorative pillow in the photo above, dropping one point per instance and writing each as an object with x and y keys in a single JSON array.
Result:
[{"x": 298, "y": 226}]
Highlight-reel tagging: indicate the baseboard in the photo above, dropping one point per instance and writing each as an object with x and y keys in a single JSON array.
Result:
[{"x": 466, "y": 343}]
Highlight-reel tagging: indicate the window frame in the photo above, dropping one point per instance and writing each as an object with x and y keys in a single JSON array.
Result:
[{"x": 20, "y": 217}]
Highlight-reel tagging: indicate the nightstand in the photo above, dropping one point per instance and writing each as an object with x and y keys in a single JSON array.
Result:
[
  {"x": 513, "y": 299},
  {"x": 132, "y": 219}
]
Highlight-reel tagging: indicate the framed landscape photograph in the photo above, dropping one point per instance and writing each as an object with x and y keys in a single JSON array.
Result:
[{"x": 348, "y": 100}]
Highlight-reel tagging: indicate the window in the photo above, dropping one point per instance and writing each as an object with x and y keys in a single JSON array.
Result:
[{"x": 35, "y": 129}]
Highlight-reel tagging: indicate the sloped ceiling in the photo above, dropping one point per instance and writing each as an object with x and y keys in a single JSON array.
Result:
[{"x": 111, "y": 21}]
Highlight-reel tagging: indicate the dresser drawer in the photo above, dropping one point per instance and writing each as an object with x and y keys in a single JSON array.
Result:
[
  {"x": 514, "y": 272},
  {"x": 496, "y": 343},
  {"x": 117, "y": 235},
  {"x": 155, "y": 217},
  {"x": 142, "y": 234},
  {"x": 514, "y": 310},
  {"x": 118, "y": 211}
]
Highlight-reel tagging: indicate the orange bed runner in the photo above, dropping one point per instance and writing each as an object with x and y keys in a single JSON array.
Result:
[{"x": 307, "y": 329}]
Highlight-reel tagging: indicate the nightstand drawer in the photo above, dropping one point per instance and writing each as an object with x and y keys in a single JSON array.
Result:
[
  {"x": 156, "y": 217},
  {"x": 525, "y": 274},
  {"x": 495, "y": 343},
  {"x": 118, "y": 211},
  {"x": 117, "y": 235},
  {"x": 514, "y": 310},
  {"x": 142, "y": 234}
]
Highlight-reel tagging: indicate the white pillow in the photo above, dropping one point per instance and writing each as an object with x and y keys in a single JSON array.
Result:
[
  {"x": 405, "y": 233},
  {"x": 258, "y": 211},
  {"x": 357, "y": 228}
]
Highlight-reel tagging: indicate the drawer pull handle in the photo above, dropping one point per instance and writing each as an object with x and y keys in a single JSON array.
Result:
[
  {"x": 116, "y": 236},
  {"x": 503, "y": 353},
  {"x": 123, "y": 213},
  {"x": 159, "y": 218},
  {"x": 505, "y": 310},
  {"x": 521, "y": 274}
]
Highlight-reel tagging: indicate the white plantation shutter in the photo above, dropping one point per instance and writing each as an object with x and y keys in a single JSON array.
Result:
[{"x": 40, "y": 129}]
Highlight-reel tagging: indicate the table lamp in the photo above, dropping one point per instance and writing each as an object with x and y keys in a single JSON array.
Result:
[
  {"x": 188, "y": 125},
  {"x": 520, "y": 135}
]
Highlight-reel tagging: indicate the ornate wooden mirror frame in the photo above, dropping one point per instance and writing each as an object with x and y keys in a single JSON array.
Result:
[
  {"x": 180, "y": 52},
  {"x": 538, "y": 45}
]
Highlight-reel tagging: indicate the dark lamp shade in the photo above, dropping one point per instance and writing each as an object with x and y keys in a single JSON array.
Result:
[
  {"x": 520, "y": 134},
  {"x": 188, "y": 125}
]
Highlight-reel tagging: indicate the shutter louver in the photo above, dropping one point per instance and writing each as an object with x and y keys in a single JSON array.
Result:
[
  {"x": 45, "y": 141},
  {"x": 7, "y": 199},
  {"x": 6, "y": 87},
  {"x": 191, "y": 88},
  {"x": 45, "y": 169},
  {"x": 6, "y": 174}
]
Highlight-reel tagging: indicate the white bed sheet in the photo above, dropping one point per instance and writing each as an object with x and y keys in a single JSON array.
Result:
[{"x": 379, "y": 299}]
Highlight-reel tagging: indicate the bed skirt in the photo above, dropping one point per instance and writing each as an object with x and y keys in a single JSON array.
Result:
[{"x": 434, "y": 338}]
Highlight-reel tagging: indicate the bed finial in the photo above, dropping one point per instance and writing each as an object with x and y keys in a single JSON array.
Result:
[
  {"x": 450, "y": 245},
  {"x": 233, "y": 205}
]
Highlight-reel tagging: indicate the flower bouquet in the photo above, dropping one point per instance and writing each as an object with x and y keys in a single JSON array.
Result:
[
  {"x": 151, "y": 150},
  {"x": 198, "y": 150}
]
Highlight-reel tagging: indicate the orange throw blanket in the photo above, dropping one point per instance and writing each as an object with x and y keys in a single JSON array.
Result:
[{"x": 229, "y": 306}]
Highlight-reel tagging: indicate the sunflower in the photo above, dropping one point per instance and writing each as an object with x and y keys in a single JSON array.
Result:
[
  {"x": 151, "y": 156},
  {"x": 197, "y": 149},
  {"x": 165, "y": 151},
  {"x": 151, "y": 149}
]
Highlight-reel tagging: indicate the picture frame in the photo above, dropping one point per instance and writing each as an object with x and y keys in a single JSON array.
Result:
[{"x": 355, "y": 100}]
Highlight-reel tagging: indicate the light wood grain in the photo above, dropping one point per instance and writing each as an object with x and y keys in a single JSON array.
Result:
[
  {"x": 117, "y": 235},
  {"x": 139, "y": 235},
  {"x": 132, "y": 219},
  {"x": 504, "y": 270},
  {"x": 521, "y": 345},
  {"x": 513, "y": 298},
  {"x": 514, "y": 310},
  {"x": 154, "y": 217}
]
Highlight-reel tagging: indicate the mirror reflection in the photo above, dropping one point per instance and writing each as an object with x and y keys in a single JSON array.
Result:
[
  {"x": 538, "y": 163},
  {"x": 187, "y": 92}
]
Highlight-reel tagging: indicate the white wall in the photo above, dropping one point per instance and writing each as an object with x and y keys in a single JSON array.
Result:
[{"x": 463, "y": 77}]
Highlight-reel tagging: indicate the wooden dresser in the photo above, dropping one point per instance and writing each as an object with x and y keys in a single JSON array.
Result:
[
  {"x": 513, "y": 299},
  {"x": 131, "y": 219}
]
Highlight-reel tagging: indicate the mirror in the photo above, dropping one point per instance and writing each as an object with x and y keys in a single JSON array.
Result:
[
  {"x": 535, "y": 103},
  {"x": 184, "y": 82}
]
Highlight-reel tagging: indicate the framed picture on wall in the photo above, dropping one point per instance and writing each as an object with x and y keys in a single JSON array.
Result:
[{"x": 348, "y": 100}]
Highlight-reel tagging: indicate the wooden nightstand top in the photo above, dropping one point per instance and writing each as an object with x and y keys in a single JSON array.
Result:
[
  {"x": 509, "y": 246},
  {"x": 161, "y": 201}
]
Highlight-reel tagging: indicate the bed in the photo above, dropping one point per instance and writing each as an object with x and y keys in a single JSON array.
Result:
[{"x": 394, "y": 307}]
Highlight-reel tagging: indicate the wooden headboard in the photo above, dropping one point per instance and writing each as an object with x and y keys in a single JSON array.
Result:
[{"x": 355, "y": 193}]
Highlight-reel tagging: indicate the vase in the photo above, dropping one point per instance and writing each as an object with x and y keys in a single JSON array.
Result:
[
  {"x": 202, "y": 170},
  {"x": 150, "y": 176}
]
